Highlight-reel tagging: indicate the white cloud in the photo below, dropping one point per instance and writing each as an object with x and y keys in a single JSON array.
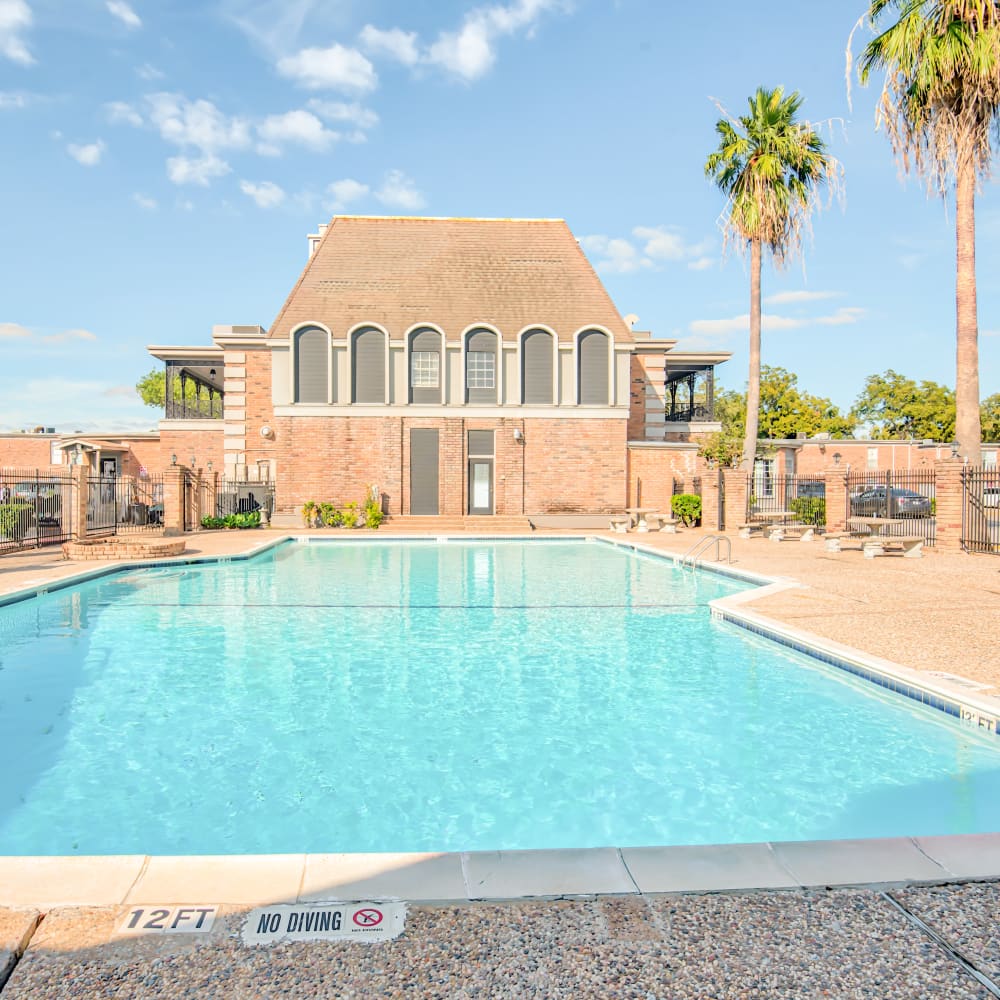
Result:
[
  {"x": 266, "y": 194},
  {"x": 15, "y": 17},
  {"x": 661, "y": 243},
  {"x": 119, "y": 112},
  {"x": 785, "y": 298},
  {"x": 658, "y": 245},
  {"x": 395, "y": 43},
  {"x": 398, "y": 191},
  {"x": 701, "y": 263},
  {"x": 300, "y": 127},
  {"x": 613, "y": 255},
  {"x": 338, "y": 111},
  {"x": 335, "y": 68},
  {"x": 200, "y": 171},
  {"x": 346, "y": 191},
  {"x": 124, "y": 13},
  {"x": 67, "y": 335},
  {"x": 10, "y": 99},
  {"x": 13, "y": 331},
  {"x": 197, "y": 123},
  {"x": 88, "y": 155},
  {"x": 148, "y": 72},
  {"x": 470, "y": 51},
  {"x": 149, "y": 204},
  {"x": 772, "y": 322}
]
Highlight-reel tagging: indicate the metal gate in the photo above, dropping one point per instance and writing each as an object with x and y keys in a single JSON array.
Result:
[
  {"x": 119, "y": 505},
  {"x": 786, "y": 498},
  {"x": 906, "y": 496},
  {"x": 981, "y": 509}
]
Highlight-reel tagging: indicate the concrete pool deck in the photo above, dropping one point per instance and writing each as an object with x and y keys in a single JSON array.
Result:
[{"x": 622, "y": 938}]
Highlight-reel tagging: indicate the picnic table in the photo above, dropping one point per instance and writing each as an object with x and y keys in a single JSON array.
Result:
[
  {"x": 638, "y": 515},
  {"x": 880, "y": 537}
]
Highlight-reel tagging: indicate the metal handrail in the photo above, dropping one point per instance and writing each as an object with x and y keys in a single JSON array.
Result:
[{"x": 688, "y": 559}]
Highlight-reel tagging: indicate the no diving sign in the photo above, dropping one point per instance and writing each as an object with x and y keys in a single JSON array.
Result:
[{"x": 366, "y": 922}]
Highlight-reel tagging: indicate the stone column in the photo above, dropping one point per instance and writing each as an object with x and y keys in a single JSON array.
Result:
[
  {"x": 735, "y": 481},
  {"x": 174, "y": 478},
  {"x": 948, "y": 505},
  {"x": 79, "y": 474},
  {"x": 835, "y": 477},
  {"x": 711, "y": 512}
]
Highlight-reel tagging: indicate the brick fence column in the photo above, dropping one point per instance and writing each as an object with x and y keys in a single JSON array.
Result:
[
  {"x": 948, "y": 505},
  {"x": 835, "y": 478},
  {"x": 174, "y": 477},
  {"x": 80, "y": 475},
  {"x": 735, "y": 481}
]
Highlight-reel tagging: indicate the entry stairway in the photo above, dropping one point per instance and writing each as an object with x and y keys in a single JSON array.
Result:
[{"x": 484, "y": 524}]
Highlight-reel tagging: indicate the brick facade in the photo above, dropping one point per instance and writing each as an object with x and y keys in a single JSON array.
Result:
[
  {"x": 204, "y": 445},
  {"x": 653, "y": 470}
]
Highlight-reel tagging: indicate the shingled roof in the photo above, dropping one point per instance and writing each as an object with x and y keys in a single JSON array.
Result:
[{"x": 396, "y": 271}]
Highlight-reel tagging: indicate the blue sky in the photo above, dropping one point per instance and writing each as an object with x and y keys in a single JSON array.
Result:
[{"x": 163, "y": 162}]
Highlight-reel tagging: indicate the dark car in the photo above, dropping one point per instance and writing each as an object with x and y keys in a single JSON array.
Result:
[
  {"x": 45, "y": 497},
  {"x": 902, "y": 503}
]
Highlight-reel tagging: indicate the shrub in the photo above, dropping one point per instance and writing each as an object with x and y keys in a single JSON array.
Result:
[
  {"x": 309, "y": 512},
  {"x": 16, "y": 519},
  {"x": 373, "y": 514},
  {"x": 686, "y": 506},
  {"x": 809, "y": 510},
  {"x": 329, "y": 516},
  {"x": 249, "y": 520}
]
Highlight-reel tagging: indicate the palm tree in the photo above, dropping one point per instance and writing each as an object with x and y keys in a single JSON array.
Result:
[
  {"x": 769, "y": 166},
  {"x": 940, "y": 106}
]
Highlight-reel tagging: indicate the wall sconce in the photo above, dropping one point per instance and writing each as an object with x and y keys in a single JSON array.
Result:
[
  {"x": 173, "y": 459},
  {"x": 193, "y": 460},
  {"x": 209, "y": 465},
  {"x": 518, "y": 434},
  {"x": 954, "y": 449},
  {"x": 211, "y": 373},
  {"x": 266, "y": 432},
  {"x": 836, "y": 458}
]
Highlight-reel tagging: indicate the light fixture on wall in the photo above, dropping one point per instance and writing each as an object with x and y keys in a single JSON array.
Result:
[
  {"x": 193, "y": 460},
  {"x": 518, "y": 434},
  {"x": 211, "y": 373},
  {"x": 836, "y": 458},
  {"x": 266, "y": 432},
  {"x": 209, "y": 465},
  {"x": 954, "y": 449},
  {"x": 173, "y": 459}
]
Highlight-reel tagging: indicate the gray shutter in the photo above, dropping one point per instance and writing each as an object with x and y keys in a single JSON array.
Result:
[
  {"x": 536, "y": 367},
  {"x": 426, "y": 340},
  {"x": 368, "y": 376},
  {"x": 485, "y": 341},
  {"x": 593, "y": 368},
  {"x": 312, "y": 366},
  {"x": 423, "y": 470},
  {"x": 481, "y": 444}
]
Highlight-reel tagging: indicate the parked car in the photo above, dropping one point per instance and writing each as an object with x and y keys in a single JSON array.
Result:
[
  {"x": 46, "y": 498},
  {"x": 812, "y": 490},
  {"x": 902, "y": 503},
  {"x": 991, "y": 496}
]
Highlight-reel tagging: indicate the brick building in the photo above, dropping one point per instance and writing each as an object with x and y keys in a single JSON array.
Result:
[{"x": 460, "y": 366}]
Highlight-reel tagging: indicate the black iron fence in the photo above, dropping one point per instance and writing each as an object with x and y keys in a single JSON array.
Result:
[
  {"x": 120, "y": 505},
  {"x": 902, "y": 502},
  {"x": 35, "y": 509},
  {"x": 981, "y": 509},
  {"x": 239, "y": 496},
  {"x": 781, "y": 499}
]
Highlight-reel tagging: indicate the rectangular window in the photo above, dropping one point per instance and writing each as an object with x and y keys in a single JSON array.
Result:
[
  {"x": 425, "y": 369},
  {"x": 480, "y": 370},
  {"x": 55, "y": 454},
  {"x": 873, "y": 458}
]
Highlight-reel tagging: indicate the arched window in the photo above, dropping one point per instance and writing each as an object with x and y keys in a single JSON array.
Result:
[
  {"x": 425, "y": 366},
  {"x": 312, "y": 365},
  {"x": 536, "y": 367},
  {"x": 481, "y": 367},
  {"x": 368, "y": 366},
  {"x": 592, "y": 368}
]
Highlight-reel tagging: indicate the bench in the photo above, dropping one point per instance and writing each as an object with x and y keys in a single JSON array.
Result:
[
  {"x": 747, "y": 530},
  {"x": 666, "y": 523},
  {"x": 620, "y": 523},
  {"x": 794, "y": 529},
  {"x": 878, "y": 545},
  {"x": 832, "y": 540}
]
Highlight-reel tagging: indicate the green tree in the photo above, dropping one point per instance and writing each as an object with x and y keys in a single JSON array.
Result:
[
  {"x": 897, "y": 407},
  {"x": 152, "y": 388},
  {"x": 940, "y": 106},
  {"x": 769, "y": 166},
  {"x": 786, "y": 411},
  {"x": 989, "y": 415}
]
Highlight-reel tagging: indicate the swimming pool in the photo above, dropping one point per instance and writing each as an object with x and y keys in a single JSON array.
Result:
[{"x": 392, "y": 696}]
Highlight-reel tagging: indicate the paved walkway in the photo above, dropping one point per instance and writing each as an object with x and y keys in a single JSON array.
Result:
[{"x": 939, "y": 613}]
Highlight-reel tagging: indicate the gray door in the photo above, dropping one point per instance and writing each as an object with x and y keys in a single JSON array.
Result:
[
  {"x": 480, "y": 485},
  {"x": 423, "y": 471}
]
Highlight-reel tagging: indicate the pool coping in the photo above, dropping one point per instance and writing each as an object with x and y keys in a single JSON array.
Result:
[{"x": 465, "y": 877}]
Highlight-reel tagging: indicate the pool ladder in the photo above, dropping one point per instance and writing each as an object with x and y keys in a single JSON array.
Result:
[{"x": 700, "y": 546}]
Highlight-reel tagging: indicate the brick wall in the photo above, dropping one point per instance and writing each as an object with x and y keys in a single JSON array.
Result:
[
  {"x": 561, "y": 466},
  {"x": 25, "y": 451},
  {"x": 204, "y": 445},
  {"x": 652, "y": 471}
]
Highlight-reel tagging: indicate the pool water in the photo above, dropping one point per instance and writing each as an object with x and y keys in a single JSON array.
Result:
[{"x": 393, "y": 696}]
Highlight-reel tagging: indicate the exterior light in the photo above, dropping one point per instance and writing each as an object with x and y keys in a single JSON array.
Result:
[
  {"x": 209, "y": 465},
  {"x": 836, "y": 458},
  {"x": 518, "y": 434},
  {"x": 954, "y": 449},
  {"x": 211, "y": 373},
  {"x": 173, "y": 459},
  {"x": 193, "y": 460}
]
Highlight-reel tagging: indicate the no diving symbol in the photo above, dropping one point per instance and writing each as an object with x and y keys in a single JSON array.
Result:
[{"x": 367, "y": 917}]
